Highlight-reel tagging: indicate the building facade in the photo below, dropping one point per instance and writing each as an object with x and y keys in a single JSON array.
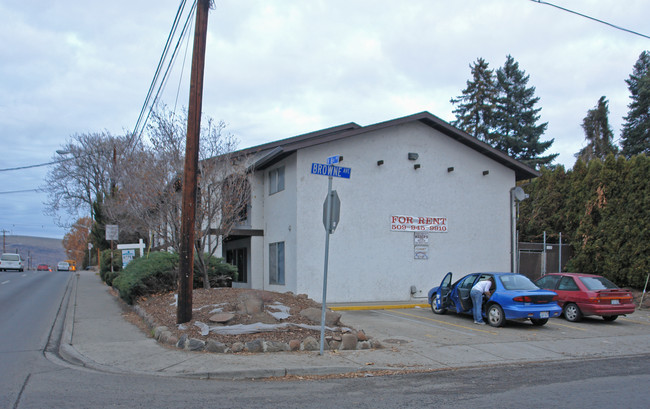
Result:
[{"x": 422, "y": 199}]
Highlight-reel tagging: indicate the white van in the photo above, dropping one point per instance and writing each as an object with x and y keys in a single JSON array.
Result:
[{"x": 11, "y": 261}]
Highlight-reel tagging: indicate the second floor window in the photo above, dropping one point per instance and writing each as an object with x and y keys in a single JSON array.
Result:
[{"x": 276, "y": 180}]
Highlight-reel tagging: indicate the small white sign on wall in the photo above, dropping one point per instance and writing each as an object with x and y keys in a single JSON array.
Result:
[
  {"x": 420, "y": 239},
  {"x": 421, "y": 252}
]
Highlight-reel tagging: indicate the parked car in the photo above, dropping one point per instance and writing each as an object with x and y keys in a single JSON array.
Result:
[
  {"x": 11, "y": 261},
  {"x": 63, "y": 266},
  {"x": 515, "y": 298},
  {"x": 43, "y": 267},
  {"x": 588, "y": 294}
]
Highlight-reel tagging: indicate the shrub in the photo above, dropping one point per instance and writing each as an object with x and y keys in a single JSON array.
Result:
[
  {"x": 219, "y": 273},
  {"x": 147, "y": 275},
  {"x": 105, "y": 265}
]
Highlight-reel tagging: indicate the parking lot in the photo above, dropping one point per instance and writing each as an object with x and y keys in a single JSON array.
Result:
[{"x": 424, "y": 339}]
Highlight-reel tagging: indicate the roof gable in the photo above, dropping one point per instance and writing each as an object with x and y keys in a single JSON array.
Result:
[{"x": 269, "y": 153}]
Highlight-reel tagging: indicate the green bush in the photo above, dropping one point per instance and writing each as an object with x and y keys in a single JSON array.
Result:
[
  {"x": 105, "y": 265},
  {"x": 218, "y": 271},
  {"x": 147, "y": 275},
  {"x": 158, "y": 273}
]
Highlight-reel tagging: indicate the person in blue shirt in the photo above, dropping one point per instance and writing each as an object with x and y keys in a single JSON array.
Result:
[{"x": 482, "y": 287}]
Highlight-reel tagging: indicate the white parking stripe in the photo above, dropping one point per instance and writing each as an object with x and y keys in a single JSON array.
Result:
[{"x": 5, "y": 282}]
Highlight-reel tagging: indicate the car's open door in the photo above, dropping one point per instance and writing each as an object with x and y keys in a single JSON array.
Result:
[
  {"x": 442, "y": 298},
  {"x": 464, "y": 289}
]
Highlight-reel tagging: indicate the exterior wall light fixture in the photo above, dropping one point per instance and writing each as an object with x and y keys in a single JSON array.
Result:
[
  {"x": 413, "y": 156},
  {"x": 416, "y": 166},
  {"x": 486, "y": 172},
  {"x": 380, "y": 162},
  {"x": 450, "y": 169}
]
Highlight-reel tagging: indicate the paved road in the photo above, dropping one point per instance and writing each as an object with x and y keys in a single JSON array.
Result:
[
  {"x": 414, "y": 338},
  {"x": 29, "y": 303}
]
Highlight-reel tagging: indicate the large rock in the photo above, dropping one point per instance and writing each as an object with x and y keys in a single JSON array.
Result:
[
  {"x": 314, "y": 315},
  {"x": 182, "y": 341},
  {"x": 194, "y": 344},
  {"x": 310, "y": 344},
  {"x": 215, "y": 346},
  {"x": 252, "y": 304},
  {"x": 256, "y": 345},
  {"x": 222, "y": 317},
  {"x": 349, "y": 342},
  {"x": 275, "y": 346}
]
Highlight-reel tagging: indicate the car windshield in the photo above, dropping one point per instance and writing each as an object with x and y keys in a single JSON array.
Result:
[
  {"x": 517, "y": 282},
  {"x": 597, "y": 283},
  {"x": 10, "y": 257}
]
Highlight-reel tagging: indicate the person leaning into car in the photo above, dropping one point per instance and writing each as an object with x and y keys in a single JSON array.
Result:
[{"x": 480, "y": 288}]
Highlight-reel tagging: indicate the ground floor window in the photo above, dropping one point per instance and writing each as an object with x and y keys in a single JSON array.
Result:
[
  {"x": 276, "y": 263},
  {"x": 238, "y": 258}
]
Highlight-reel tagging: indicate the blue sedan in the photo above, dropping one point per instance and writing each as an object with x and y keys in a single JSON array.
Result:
[{"x": 515, "y": 298}]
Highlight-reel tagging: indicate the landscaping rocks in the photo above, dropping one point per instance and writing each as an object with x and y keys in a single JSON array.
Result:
[
  {"x": 315, "y": 314},
  {"x": 249, "y": 309}
]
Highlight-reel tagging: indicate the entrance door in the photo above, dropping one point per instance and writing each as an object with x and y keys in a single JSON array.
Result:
[{"x": 239, "y": 257}]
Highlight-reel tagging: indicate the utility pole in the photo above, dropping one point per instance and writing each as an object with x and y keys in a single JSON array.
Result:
[
  {"x": 4, "y": 240},
  {"x": 188, "y": 212}
]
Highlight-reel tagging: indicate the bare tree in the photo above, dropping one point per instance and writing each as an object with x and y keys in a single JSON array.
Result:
[
  {"x": 86, "y": 170},
  {"x": 149, "y": 192}
]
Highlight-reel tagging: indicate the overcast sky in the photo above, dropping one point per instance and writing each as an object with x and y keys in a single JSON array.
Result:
[{"x": 276, "y": 69}]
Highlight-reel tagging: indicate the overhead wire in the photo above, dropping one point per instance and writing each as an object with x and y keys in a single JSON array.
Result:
[
  {"x": 161, "y": 62},
  {"x": 163, "y": 82},
  {"x": 178, "y": 89},
  {"x": 591, "y": 18}
]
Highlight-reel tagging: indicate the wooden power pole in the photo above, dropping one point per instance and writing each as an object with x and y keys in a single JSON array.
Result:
[{"x": 188, "y": 215}]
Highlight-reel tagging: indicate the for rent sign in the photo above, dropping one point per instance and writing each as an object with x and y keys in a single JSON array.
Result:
[{"x": 416, "y": 223}]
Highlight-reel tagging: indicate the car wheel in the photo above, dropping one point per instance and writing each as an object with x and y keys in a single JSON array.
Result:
[
  {"x": 572, "y": 313},
  {"x": 437, "y": 310},
  {"x": 495, "y": 315},
  {"x": 610, "y": 317},
  {"x": 538, "y": 322}
]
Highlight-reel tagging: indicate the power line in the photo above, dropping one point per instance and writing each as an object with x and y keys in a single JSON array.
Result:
[
  {"x": 21, "y": 191},
  {"x": 592, "y": 18},
  {"x": 163, "y": 82},
  {"x": 36, "y": 166},
  {"x": 142, "y": 119}
]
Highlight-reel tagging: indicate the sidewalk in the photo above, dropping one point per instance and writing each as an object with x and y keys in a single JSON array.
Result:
[{"x": 96, "y": 336}]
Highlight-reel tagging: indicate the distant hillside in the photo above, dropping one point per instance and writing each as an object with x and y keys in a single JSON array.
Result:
[{"x": 42, "y": 250}]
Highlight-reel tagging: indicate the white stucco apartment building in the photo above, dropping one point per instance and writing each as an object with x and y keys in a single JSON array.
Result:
[{"x": 418, "y": 167}]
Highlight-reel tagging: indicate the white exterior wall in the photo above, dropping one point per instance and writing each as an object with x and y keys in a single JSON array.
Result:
[
  {"x": 280, "y": 225},
  {"x": 367, "y": 261}
]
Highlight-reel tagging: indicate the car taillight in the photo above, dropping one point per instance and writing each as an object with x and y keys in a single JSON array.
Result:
[
  {"x": 522, "y": 298},
  {"x": 555, "y": 298}
]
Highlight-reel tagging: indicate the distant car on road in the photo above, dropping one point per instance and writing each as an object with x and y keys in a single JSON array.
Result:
[
  {"x": 588, "y": 294},
  {"x": 43, "y": 267},
  {"x": 11, "y": 261},
  {"x": 63, "y": 266},
  {"x": 515, "y": 298}
]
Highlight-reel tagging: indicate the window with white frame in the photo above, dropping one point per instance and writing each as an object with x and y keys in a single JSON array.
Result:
[
  {"x": 276, "y": 180},
  {"x": 276, "y": 263}
]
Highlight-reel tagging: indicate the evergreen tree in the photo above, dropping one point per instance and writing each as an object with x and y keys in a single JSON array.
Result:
[
  {"x": 476, "y": 105},
  {"x": 515, "y": 117},
  {"x": 635, "y": 136},
  {"x": 598, "y": 133}
]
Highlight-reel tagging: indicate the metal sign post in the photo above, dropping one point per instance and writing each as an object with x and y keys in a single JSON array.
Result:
[{"x": 331, "y": 211}]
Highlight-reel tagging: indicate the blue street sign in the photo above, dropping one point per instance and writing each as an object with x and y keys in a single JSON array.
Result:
[
  {"x": 333, "y": 160},
  {"x": 330, "y": 170}
]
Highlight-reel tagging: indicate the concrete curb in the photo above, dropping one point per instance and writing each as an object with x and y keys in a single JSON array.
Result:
[{"x": 376, "y": 307}]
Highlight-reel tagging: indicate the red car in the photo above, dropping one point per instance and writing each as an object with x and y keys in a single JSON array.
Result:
[
  {"x": 43, "y": 267},
  {"x": 588, "y": 294}
]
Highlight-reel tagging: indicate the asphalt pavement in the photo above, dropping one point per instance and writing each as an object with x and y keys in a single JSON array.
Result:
[{"x": 96, "y": 336}]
